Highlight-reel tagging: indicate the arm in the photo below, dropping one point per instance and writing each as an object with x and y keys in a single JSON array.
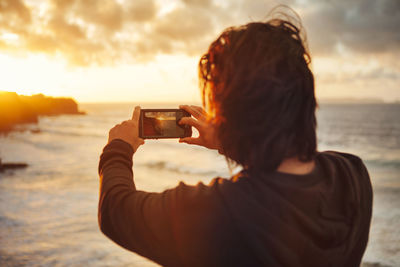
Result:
[
  {"x": 136, "y": 220},
  {"x": 168, "y": 227},
  {"x": 177, "y": 227}
]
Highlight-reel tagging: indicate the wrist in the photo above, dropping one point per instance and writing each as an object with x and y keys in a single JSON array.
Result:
[{"x": 120, "y": 144}]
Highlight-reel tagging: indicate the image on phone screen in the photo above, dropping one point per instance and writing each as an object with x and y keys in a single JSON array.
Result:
[{"x": 163, "y": 124}]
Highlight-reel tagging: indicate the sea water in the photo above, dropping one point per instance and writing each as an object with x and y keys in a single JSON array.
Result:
[{"x": 48, "y": 211}]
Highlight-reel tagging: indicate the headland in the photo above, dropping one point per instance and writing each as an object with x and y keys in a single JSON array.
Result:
[{"x": 19, "y": 109}]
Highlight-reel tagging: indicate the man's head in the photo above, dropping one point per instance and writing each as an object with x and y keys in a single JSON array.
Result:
[{"x": 257, "y": 85}]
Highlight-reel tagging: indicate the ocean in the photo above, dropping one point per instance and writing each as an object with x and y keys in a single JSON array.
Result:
[{"x": 48, "y": 211}]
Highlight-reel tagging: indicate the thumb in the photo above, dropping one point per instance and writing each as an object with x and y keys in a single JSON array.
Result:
[{"x": 136, "y": 114}]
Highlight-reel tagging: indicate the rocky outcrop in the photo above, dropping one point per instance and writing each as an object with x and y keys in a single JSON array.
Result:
[
  {"x": 6, "y": 166},
  {"x": 16, "y": 109}
]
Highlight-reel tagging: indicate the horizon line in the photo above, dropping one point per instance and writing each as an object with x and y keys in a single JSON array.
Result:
[{"x": 323, "y": 100}]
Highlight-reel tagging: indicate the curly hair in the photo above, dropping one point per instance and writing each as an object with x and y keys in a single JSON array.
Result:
[{"x": 258, "y": 87}]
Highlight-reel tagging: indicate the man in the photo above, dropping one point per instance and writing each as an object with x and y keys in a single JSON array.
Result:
[{"x": 290, "y": 205}]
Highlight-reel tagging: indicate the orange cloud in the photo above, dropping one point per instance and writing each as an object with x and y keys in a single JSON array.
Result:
[
  {"x": 86, "y": 32},
  {"x": 89, "y": 32},
  {"x": 15, "y": 9}
]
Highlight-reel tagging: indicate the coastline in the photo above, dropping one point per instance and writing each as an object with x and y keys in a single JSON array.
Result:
[{"x": 19, "y": 109}]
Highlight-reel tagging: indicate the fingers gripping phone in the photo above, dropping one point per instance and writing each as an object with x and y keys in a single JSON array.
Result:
[{"x": 163, "y": 123}]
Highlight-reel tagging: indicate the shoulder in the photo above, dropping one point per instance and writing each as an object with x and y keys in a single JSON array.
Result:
[
  {"x": 238, "y": 182},
  {"x": 190, "y": 198},
  {"x": 353, "y": 174},
  {"x": 205, "y": 197},
  {"x": 201, "y": 190},
  {"x": 336, "y": 158},
  {"x": 339, "y": 154},
  {"x": 346, "y": 167}
]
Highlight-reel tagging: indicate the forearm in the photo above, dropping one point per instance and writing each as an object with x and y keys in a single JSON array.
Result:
[
  {"x": 115, "y": 166},
  {"x": 136, "y": 220},
  {"x": 116, "y": 181}
]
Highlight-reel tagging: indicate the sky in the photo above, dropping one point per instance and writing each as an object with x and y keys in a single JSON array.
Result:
[{"x": 148, "y": 50}]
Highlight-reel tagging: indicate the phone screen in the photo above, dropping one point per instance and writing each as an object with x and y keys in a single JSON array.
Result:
[{"x": 163, "y": 123}]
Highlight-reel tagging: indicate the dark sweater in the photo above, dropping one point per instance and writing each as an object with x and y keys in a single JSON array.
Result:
[{"x": 253, "y": 219}]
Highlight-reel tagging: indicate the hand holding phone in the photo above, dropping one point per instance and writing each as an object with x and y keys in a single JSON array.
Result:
[
  {"x": 207, "y": 131},
  {"x": 127, "y": 131}
]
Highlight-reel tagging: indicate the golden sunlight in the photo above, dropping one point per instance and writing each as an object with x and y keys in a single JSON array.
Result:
[
  {"x": 167, "y": 78},
  {"x": 89, "y": 98},
  {"x": 32, "y": 75}
]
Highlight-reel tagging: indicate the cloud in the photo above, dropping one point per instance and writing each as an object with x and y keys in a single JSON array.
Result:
[
  {"x": 14, "y": 14},
  {"x": 140, "y": 11},
  {"x": 15, "y": 9},
  {"x": 65, "y": 30},
  {"x": 86, "y": 32},
  {"x": 201, "y": 3},
  {"x": 89, "y": 32},
  {"x": 365, "y": 26},
  {"x": 184, "y": 29},
  {"x": 360, "y": 75}
]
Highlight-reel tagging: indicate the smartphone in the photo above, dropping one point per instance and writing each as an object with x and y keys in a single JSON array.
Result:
[{"x": 163, "y": 123}]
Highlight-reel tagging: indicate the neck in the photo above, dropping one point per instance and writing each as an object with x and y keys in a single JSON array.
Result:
[{"x": 295, "y": 166}]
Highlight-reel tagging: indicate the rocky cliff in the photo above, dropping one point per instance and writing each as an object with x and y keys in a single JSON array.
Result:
[{"x": 16, "y": 109}]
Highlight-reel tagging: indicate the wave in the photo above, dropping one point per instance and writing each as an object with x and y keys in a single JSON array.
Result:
[
  {"x": 373, "y": 264},
  {"x": 58, "y": 130},
  {"x": 71, "y": 133},
  {"x": 9, "y": 222},
  {"x": 383, "y": 163}
]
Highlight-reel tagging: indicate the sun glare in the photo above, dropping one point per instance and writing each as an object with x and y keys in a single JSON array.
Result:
[
  {"x": 168, "y": 78},
  {"x": 31, "y": 75}
]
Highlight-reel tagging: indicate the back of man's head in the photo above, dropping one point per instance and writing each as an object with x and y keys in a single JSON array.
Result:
[{"x": 257, "y": 84}]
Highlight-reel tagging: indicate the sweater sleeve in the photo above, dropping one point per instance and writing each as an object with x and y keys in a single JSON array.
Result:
[{"x": 136, "y": 220}]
